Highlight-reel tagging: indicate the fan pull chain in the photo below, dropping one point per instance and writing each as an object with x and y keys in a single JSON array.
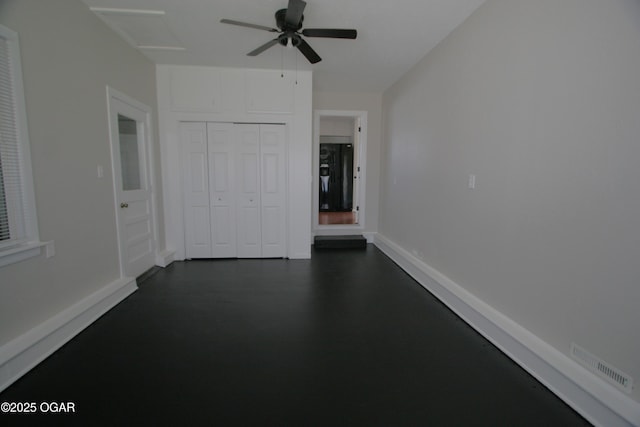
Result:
[{"x": 282, "y": 63}]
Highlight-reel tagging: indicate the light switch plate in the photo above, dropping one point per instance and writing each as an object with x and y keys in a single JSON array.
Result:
[
  {"x": 50, "y": 249},
  {"x": 472, "y": 181}
]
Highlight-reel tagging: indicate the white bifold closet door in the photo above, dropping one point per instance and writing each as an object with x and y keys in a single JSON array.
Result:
[
  {"x": 234, "y": 182},
  {"x": 222, "y": 190}
]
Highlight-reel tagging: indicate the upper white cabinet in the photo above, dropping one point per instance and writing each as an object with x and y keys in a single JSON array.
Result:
[
  {"x": 195, "y": 89},
  {"x": 269, "y": 91},
  {"x": 219, "y": 90}
]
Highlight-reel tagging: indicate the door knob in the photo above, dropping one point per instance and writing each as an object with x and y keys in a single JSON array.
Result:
[{"x": 124, "y": 205}]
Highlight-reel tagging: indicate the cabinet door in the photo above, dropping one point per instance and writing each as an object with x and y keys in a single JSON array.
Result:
[
  {"x": 273, "y": 178},
  {"x": 221, "y": 189},
  {"x": 196, "y": 190},
  {"x": 249, "y": 236}
]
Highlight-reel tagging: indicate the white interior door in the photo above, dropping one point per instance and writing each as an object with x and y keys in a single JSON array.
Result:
[
  {"x": 221, "y": 152},
  {"x": 234, "y": 190},
  {"x": 273, "y": 196},
  {"x": 196, "y": 190},
  {"x": 249, "y": 235},
  {"x": 129, "y": 125}
]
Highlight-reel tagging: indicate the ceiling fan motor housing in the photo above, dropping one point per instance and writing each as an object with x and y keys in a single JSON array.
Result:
[{"x": 280, "y": 21}]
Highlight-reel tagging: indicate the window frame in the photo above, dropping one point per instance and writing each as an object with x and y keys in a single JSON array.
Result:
[{"x": 27, "y": 243}]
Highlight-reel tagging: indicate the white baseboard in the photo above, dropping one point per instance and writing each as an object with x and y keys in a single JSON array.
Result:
[
  {"x": 300, "y": 255},
  {"x": 19, "y": 356},
  {"x": 596, "y": 400},
  {"x": 164, "y": 258},
  {"x": 370, "y": 236}
]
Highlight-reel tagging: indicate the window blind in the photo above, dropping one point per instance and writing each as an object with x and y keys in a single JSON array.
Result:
[{"x": 11, "y": 192}]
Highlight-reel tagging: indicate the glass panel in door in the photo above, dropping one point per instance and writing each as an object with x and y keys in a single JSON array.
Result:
[{"x": 129, "y": 153}]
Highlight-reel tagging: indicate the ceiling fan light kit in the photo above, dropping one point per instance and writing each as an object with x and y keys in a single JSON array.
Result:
[{"x": 289, "y": 23}]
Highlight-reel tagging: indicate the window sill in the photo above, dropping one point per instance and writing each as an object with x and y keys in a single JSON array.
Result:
[{"x": 20, "y": 252}]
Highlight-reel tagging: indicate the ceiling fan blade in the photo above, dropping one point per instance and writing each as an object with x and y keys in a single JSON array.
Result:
[
  {"x": 330, "y": 33},
  {"x": 262, "y": 48},
  {"x": 294, "y": 13},
  {"x": 308, "y": 52},
  {"x": 246, "y": 24}
]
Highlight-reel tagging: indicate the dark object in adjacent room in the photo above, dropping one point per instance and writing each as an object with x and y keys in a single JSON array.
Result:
[{"x": 336, "y": 177}]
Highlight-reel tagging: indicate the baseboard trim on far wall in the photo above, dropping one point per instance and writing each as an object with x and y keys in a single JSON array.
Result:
[
  {"x": 164, "y": 258},
  {"x": 22, "y": 354},
  {"x": 300, "y": 255},
  {"x": 370, "y": 236},
  {"x": 596, "y": 400}
]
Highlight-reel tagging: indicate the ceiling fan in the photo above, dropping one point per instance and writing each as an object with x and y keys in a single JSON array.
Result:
[{"x": 289, "y": 23}]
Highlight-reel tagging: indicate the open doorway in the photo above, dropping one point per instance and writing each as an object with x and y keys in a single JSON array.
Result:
[
  {"x": 336, "y": 180},
  {"x": 339, "y": 154}
]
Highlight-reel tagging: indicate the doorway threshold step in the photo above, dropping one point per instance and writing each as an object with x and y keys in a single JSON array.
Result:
[{"x": 340, "y": 242}]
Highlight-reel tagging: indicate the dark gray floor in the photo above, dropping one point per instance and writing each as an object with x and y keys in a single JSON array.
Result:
[{"x": 344, "y": 339}]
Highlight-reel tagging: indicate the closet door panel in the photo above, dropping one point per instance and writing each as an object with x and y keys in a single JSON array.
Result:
[
  {"x": 196, "y": 190},
  {"x": 234, "y": 190},
  {"x": 199, "y": 220},
  {"x": 221, "y": 152},
  {"x": 270, "y": 232},
  {"x": 249, "y": 238},
  {"x": 273, "y": 195}
]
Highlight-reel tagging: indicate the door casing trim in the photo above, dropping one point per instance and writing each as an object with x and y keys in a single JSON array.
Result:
[{"x": 361, "y": 117}]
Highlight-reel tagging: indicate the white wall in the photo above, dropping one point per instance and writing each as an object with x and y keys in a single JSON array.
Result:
[
  {"x": 217, "y": 94},
  {"x": 337, "y": 126},
  {"x": 68, "y": 58},
  {"x": 541, "y": 101},
  {"x": 372, "y": 104}
]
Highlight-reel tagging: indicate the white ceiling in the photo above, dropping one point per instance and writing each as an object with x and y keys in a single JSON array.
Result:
[{"x": 393, "y": 35}]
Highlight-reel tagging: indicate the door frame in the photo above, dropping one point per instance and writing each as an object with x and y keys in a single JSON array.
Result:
[
  {"x": 360, "y": 118},
  {"x": 113, "y": 94}
]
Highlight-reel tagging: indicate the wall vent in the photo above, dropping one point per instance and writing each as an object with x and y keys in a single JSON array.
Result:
[{"x": 602, "y": 368}]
